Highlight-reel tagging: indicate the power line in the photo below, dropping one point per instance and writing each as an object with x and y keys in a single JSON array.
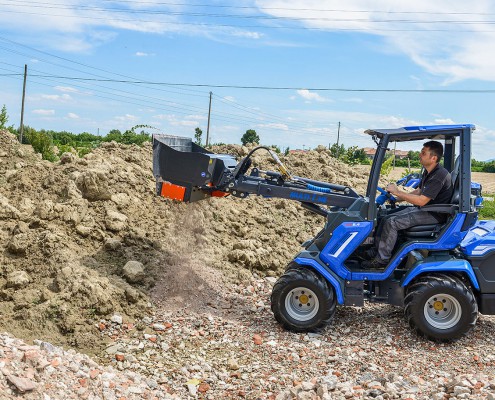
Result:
[
  {"x": 113, "y": 9},
  {"x": 176, "y": 108},
  {"x": 237, "y": 16},
  {"x": 322, "y": 29},
  {"x": 316, "y": 89},
  {"x": 262, "y": 115},
  {"x": 75, "y": 62},
  {"x": 163, "y": 104},
  {"x": 218, "y": 116}
]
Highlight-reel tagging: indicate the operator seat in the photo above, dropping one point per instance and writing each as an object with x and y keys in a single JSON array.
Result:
[{"x": 432, "y": 230}]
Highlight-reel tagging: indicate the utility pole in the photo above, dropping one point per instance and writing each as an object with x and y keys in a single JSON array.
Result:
[
  {"x": 338, "y": 137},
  {"x": 395, "y": 146},
  {"x": 21, "y": 129},
  {"x": 208, "y": 128}
]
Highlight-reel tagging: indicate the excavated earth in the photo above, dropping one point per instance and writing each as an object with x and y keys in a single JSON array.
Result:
[{"x": 172, "y": 300}]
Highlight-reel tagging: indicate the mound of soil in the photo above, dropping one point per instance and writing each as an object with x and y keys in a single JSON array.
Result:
[{"x": 85, "y": 238}]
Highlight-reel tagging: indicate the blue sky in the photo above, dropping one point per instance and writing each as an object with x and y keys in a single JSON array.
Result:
[{"x": 304, "y": 45}]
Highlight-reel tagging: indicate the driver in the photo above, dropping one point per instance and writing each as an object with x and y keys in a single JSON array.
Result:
[{"x": 435, "y": 188}]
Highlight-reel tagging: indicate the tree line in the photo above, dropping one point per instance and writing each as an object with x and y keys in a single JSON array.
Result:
[{"x": 50, "y": 144}]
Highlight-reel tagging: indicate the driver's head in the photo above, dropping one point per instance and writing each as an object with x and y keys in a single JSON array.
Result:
[{"x": 431, "y": 153}]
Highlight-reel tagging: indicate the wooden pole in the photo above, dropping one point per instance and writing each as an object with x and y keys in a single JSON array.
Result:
[
  {"x": 21, "y": 128},
  {"x": 208, "y": 128},
  {"x": 395, "y": 147}
]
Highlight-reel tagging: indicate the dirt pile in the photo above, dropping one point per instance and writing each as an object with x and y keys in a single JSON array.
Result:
[{"x": 86, "y": 238}]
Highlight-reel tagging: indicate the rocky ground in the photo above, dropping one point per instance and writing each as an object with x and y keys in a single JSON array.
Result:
[
  {"x": 233, "y": 349},
  {"x": 172, "y": 300}
]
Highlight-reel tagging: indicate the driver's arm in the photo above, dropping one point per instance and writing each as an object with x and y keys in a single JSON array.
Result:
[
  {"x": 415, "y": 197},
  {"x": 416, "y": 191}
]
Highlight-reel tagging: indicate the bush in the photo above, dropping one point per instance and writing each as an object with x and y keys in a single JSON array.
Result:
[
  {"x": 387, "y": 166},
  {"x": 41, "y": 141},
  {"x": 488, "y": 210}
]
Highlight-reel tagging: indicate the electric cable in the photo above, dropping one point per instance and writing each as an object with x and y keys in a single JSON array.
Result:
[{"x": 323, "y": 29}]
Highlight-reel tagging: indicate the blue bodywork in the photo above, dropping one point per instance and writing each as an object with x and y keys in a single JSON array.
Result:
[
  {"x": 349, "y": 235},
  {"x": 480, "y": 239},
  {"x": 442, "y": 266},
  {"x": 345, "y": 239},
  {"x": 324, "y": 271}
]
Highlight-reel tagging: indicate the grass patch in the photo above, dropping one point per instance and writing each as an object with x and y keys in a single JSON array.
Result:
[{"x": 488, "y": 209}]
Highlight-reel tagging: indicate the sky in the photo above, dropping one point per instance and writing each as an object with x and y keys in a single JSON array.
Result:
[{"x": 291, "y": 70}]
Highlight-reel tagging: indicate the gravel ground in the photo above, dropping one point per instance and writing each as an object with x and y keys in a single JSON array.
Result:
[{"x": 235, "y": 350}]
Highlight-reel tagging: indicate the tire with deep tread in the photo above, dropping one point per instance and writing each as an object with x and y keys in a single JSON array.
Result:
[
  {"x": 426, "y": 287},
  {"x": 296, "y": 277}
]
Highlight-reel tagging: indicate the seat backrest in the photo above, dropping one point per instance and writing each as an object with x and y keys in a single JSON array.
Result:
[{"x": 454, "y": 174}]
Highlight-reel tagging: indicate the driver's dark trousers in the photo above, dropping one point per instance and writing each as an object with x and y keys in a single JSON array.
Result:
[{"x": 390, "y": 225}]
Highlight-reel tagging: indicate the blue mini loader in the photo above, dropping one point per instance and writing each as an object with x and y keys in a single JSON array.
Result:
[{"x": 443, "y": 275}]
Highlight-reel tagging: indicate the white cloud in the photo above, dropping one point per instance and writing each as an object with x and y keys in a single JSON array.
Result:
[
  {"x": 443, "y": 121},
  {"x": 143, "y": 54},
  {"x": 43, "y": 112},
  {"x": 282, "y": 127},
  {"x": 353, "y": 100},
  {"x": 71, "y": 26},
  {"x": 67, "y": 89},
  {"x": 412, "y": 28},
  {"x": 197, "y": 117},
  {"x": 311, "y": 96},
  {"x": 247, "y": 34},
  {"x": 72, "y": 116},
  {"x": 174, "y": 120},
  {"x": 56, "y": 97},
  {"x": 126, "y": 118}
]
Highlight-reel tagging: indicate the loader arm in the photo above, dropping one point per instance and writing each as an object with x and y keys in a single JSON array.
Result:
[
  {"x": 187, "y": 172},
  {"x": 299, "y": 190}
]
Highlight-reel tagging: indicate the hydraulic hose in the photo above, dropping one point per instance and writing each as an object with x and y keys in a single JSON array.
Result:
[{"x": 318, "y": 188}]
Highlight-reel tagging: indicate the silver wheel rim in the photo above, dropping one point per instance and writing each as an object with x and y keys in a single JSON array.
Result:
[
  {"x": 442, "y": 311},
  {"x": 301, "y": 304}
]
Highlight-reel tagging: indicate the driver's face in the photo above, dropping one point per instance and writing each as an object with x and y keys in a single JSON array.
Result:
[{"x": 426, "y": 158}]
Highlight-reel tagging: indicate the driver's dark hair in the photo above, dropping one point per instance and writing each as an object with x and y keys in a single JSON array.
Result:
[{"x": 435, "y": 148}]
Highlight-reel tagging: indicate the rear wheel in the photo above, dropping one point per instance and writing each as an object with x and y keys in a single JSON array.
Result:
[
  {"x": 302, "y": 300},
  {"x": 441, "y": 307}
]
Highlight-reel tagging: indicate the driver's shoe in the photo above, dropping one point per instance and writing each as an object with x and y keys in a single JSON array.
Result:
[
  {"x": 374, "y": 263},
  {"x": 368, "y": 254}
]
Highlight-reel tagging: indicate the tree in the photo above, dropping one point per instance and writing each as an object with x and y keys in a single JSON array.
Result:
[
  {"x": 3, "y": 118},
  {"x": 114, "y": 134},
  {"x": 197, "y": 136},
  {"x": 337, "y": 151},
  {"x": 354, "y": 155},
  {"x": 250, "y": 137}
]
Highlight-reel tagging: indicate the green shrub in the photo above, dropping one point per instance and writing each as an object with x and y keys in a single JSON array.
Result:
[
  {"x": 488, "y": 210},
  {"x": 41, "y": 141},
  {"x": 82, "y": 151},
  {"x": 387, "y": 166}
]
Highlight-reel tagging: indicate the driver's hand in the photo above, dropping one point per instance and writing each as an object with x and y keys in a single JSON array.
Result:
[{"x": 392, "y": 189}]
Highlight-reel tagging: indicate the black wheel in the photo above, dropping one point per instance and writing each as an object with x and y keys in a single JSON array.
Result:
[
  {"x": 302, "y": 301},
  {"x": 440, "y": 307}
]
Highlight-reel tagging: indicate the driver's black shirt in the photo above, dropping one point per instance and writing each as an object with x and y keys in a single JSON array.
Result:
[{"x": 437, "y": 185}]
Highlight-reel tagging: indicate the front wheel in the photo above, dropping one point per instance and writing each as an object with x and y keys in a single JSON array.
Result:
[
  {"x": 441, "y": 307},
  {"x": 302, "y": 301}
]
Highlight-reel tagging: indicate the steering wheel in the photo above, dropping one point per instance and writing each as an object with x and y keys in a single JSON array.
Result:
[{"x": 390, "y": 198}]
